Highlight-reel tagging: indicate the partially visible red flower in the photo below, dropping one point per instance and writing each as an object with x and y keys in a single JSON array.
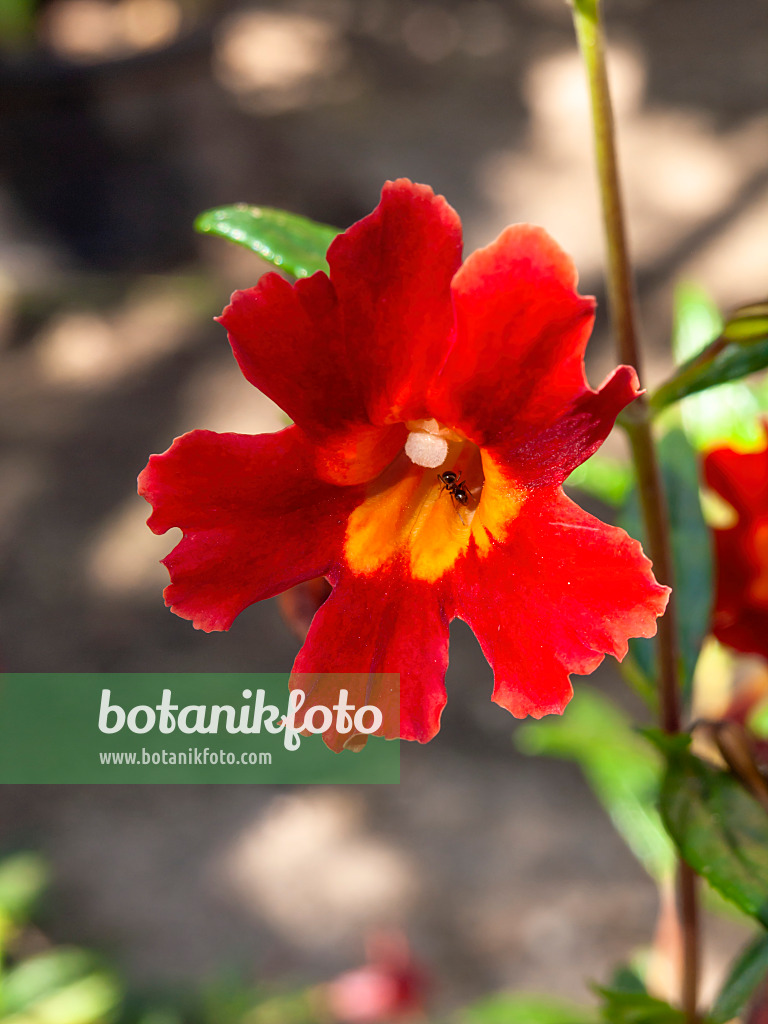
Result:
[
  {"x": 438, "y": 408},
  {"x": 740, "y": 617},
  {"x": 391, "y": 986}
]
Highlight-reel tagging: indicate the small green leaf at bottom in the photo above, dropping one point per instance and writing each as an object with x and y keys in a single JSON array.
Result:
[
  {"x": 625, "y": 1007},
  {"x": 61, "y": 985},
  {"x": 526, "y": 1008}
]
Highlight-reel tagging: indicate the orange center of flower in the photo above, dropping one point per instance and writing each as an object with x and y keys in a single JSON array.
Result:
[
  {"x": 428, "y": 515},
  {"x": 759, "y": 588}
]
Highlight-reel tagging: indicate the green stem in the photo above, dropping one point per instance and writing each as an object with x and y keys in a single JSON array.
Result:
[
  {"x": 589, "y": 31},
  {"x": 621, "y": 297}
]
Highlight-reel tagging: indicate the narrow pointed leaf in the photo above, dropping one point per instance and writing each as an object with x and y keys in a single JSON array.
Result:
[
  {"x": 736, "y": 349},
  {"x": 724, "y": 415},
  {"x": 295, "y": 244},
  {"x": 719, "y": 829},
  {"x": 747, "y": 973},
  {"x": 748, "y": 325}
]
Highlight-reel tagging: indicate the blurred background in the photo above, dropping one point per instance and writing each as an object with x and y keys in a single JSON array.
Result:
[{"x": 120, "y": 120}]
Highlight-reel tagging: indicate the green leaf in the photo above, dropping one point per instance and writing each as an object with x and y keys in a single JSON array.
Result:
[
  {"x": 719, "y": 829},
  {"x": 23, "y": 878},
  {"x": 622, "y": 768},
  {"x": 292, "y": 243},
  {"x": 627, "y": 979},
  {"x": 723, "y": 415},
  {"x": 746, "y": 974},
  {"x": 63, "y": 978},
  {"x": 604, "y": 478},
  {"x": 524, "y": 1008},
  {"x": 741, "y": 347},
  {"x": 17, "y": 22},
  {"x": 669, "y": 743},
  {"x": 692, "y": 553},
  {"x": 748, "y": 325},
  {"x": 299, "y": 1007},
  {"x": 90, "y": 1000},
  {"x": 621, "y": 1006}
]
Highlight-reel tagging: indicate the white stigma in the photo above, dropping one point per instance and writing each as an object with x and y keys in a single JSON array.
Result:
[{"x": 426, "y": 450}]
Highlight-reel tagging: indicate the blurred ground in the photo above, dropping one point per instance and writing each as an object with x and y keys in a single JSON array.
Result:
[{"x": 118, "y": 123}]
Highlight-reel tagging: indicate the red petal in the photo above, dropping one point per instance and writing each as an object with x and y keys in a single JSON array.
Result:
[
  {"x": 521, "y": 333},
  {"x": 747, "y": 632},
  {"x": 358, "y": 348},
  {"x": 392, "y": 273},
  {"x": 738, "y": 621},
  {"x": 740, "y": 617},
  {"x": 549, "y": 455},
  {"x": 741, "y": 478},
  {"x": 561, "y": 591},
  {"x": 255, "y": 519},
  {"x": 382, "y": 623},
  {"x": 289, "y": 342},
  {"x": 347, "y": 355}
]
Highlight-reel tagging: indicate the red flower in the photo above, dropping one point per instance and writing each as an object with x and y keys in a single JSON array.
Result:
[
  {"x": 402, "y": 367},
  {"x": 391, "y": 986},
  {"x": 740, "y": 617}
]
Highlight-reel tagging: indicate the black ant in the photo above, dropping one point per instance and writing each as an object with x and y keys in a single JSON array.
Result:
[{"x": 455, "y": 486}]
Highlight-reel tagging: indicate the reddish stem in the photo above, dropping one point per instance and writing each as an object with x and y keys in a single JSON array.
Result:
[{"x": 589, "y": 31}]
